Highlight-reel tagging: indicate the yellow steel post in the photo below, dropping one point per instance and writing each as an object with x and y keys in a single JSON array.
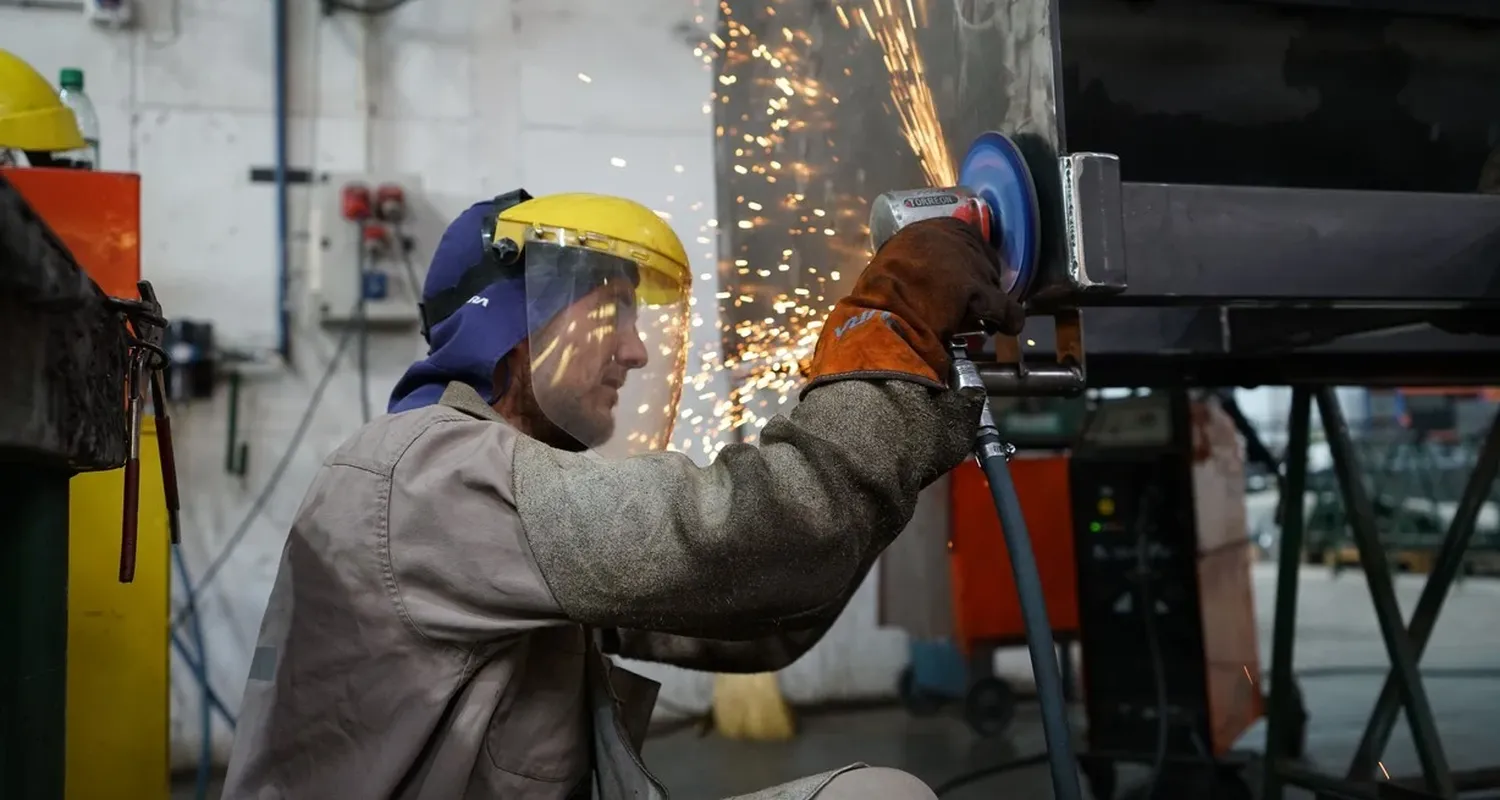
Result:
[{"x": 118, "y": 644}]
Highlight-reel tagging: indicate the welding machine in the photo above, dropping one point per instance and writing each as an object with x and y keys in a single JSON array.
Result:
[{"x": 1170, "y": 664}]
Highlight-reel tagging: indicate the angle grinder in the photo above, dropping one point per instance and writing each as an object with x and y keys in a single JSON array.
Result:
[{"x": 997, "y": 195}]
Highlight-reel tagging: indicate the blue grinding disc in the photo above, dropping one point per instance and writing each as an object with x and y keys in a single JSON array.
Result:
[{"x": 995, "y": 171}]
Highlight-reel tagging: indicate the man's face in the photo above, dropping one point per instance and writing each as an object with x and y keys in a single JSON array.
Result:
[{"x": 581, "y": 358}]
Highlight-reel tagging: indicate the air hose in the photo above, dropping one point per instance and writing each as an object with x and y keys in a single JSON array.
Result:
[{"x": 994, "y": 457}]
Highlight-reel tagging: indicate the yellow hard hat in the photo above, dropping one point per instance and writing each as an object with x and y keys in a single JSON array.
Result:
[
  {"x": 605, "y": 224},
  {"x": 31, "y": 115}
]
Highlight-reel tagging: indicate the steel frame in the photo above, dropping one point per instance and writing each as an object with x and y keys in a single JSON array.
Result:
[{"x": 1404, "y": 643}]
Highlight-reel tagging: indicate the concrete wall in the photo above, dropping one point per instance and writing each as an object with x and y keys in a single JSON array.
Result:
[{"x": 474, "y": 96}]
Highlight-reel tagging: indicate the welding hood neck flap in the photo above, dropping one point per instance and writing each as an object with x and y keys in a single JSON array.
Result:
[{"x": 491, "y": 268}]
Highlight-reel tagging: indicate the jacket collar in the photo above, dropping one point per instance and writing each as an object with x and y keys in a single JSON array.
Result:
[{"x": 462, "y": 397}]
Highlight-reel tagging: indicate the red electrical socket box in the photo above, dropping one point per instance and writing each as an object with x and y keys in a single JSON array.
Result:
[
  {"x": 390, "y": 202},
  {"x": 355, "y": 202}
]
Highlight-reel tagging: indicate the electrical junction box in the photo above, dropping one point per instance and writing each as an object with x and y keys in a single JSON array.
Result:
[
  {"x": 108, "y": 13},
  {"x": 381, "y": 260}
]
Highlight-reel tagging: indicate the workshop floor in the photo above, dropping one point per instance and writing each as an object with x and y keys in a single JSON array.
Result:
[{"x": 1339, "y": 656}]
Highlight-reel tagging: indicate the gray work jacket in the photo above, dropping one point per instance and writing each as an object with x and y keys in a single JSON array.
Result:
[{"x": 450, "y": 588}]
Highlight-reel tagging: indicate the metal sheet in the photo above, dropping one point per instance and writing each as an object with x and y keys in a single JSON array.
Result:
[
  {"x": 816, "y": 117},
  {"x": 824, "y": 105}
]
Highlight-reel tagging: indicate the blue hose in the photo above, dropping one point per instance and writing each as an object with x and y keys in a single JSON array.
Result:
[
  {"x": 209, "y": 700},
  {"x": 282, "y": 58},
  {"x": 215, "y": 701}
]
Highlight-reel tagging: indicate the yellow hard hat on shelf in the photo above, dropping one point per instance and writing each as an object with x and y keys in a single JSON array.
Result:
[{"x": 31, "y": 115}]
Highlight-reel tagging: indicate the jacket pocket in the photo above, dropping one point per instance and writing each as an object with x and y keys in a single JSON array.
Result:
[{"x": 540, "y": 727}]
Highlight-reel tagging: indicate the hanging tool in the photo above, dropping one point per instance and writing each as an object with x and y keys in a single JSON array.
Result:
[
  {"x": 997, "y": 194},
  {"x": 146, "y": 361}
]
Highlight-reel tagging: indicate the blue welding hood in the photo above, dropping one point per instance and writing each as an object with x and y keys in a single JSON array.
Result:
[{"x": 994, "y": 170}]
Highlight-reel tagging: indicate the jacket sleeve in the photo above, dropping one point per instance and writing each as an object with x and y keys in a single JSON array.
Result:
[
  {"x": 491, "y": 532},
  {"x": 767, "y": 653}
]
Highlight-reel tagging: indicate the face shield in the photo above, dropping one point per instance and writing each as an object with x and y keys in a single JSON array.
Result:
[{"x": 609, "y": 323}]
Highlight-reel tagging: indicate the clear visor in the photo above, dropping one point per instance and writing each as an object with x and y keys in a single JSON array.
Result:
[{"x": 608, "y": 344}]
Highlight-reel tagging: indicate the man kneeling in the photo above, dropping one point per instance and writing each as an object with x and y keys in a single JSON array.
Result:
[{"x": 461, "y": 567}]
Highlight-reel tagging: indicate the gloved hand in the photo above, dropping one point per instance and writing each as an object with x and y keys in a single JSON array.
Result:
[{"x": 931, "y": 281}]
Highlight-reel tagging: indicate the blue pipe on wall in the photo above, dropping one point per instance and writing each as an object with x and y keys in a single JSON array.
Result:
[{"x": 283, "y": 210}]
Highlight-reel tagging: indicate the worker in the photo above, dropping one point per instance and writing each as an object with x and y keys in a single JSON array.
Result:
[
  {"x": 34, "y": 124},
  {"x": 461, "y": 567}
]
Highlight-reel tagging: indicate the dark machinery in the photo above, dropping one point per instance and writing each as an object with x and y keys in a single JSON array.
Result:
[
  {"x": 1171, "y": 667},
  {"x": 1294, "y": 188}
]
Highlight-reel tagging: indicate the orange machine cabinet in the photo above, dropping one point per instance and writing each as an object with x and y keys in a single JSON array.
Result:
[
  {"x": 985, "y": 607},
  {"x": 96, "y": 214}
]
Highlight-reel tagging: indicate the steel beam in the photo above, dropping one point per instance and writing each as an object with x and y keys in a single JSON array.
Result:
[
  {"x": 1219, "y": 245},
  {"x": 1221, "y": 346},
  {"x": 1220, "y": 331}
]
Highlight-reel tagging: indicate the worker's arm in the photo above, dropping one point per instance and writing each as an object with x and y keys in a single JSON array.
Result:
[
  {"x": 767, "y": 653},
  {"x": 488, "y": 529}
]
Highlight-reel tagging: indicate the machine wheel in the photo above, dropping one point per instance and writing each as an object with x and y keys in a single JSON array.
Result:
[
  {"x": 1100, "y": 776},
  {"x": 918, "y": 703},
  {"x": 989, "y": 706}
]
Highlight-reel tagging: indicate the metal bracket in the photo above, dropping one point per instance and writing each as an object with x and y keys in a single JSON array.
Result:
[{"x": 1011, "y": 376}]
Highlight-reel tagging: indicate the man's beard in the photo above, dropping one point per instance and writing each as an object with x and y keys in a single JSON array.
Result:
[{"x": 562, "y": 423}]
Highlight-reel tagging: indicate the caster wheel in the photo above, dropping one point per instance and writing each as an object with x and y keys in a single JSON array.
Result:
[
  {"x": 918, "y": 703},
  {"x": 1100, "y": 776},
  {"x": 989, "y": 706}
]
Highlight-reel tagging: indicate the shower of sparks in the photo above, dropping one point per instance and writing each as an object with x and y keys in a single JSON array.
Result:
[
  {"x": 910, "y": 91},
  {"x": 766, "y": 355}
]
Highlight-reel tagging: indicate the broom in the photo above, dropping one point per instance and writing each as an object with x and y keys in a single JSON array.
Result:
[{"x": 751, "y": 707}]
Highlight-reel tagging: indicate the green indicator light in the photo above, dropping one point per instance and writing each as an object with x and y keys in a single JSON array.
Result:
[{"x": 1095, "y": 527}]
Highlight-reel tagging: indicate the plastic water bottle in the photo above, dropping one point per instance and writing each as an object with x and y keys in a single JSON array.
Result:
[{"x": 71, "y": 80}]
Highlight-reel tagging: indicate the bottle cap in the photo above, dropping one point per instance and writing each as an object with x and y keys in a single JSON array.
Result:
[{"x": 71, "y": 78}]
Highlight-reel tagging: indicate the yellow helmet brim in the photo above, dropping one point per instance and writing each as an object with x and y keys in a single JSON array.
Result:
[{"x": 46, "y": 130}]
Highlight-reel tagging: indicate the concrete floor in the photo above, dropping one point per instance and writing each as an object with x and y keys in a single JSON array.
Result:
[{"x": 1339, "y": 658}]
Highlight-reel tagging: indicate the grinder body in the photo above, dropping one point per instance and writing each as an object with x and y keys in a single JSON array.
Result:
[
  {"x": 996, "y": 194},
  {"x": 893, "y": 211}
]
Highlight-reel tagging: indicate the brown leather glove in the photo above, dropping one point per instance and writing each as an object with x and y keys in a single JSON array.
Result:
[{"x": 930, "y": 282}]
